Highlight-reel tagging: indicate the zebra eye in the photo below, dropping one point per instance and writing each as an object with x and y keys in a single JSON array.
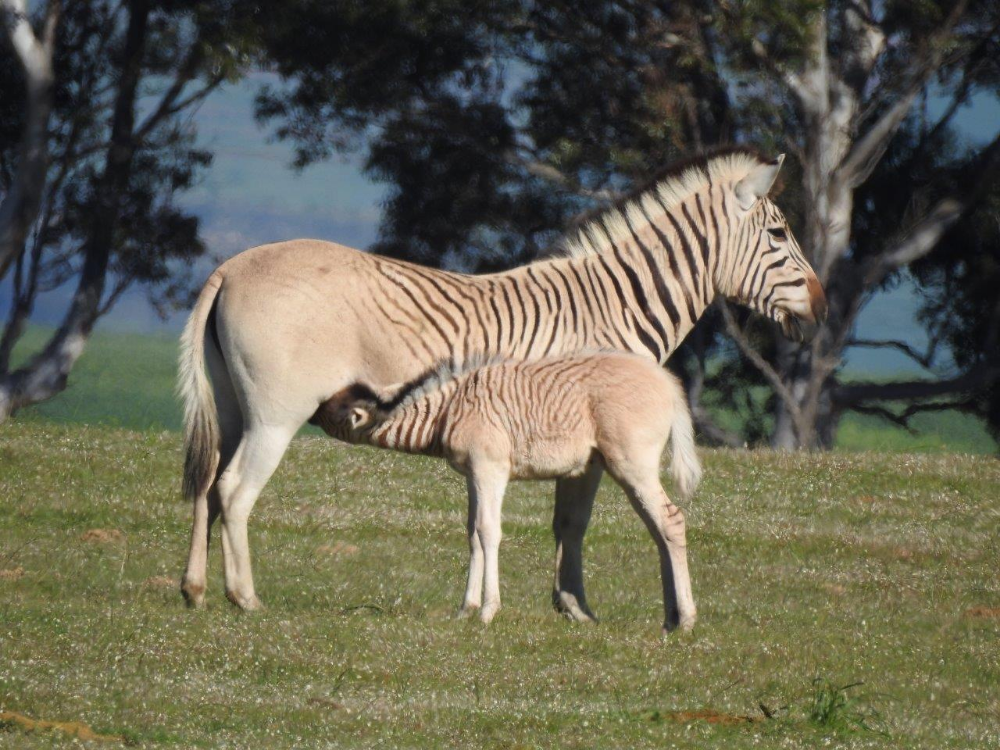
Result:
[{"x": 778, "y": 233}]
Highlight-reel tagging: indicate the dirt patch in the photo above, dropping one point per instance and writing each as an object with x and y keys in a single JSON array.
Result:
[
  {"x": 102, "y": 536},
  {"x": 337, "y": 548},
  {"x": 162, "y": 582},
  {"x": 72, "y": 728},
  {"x": 983, "y": 612},
  {"x": 834, "y": 588},
  {"x": 11, "y": 574},
  {"x": 709, "y": 715}
]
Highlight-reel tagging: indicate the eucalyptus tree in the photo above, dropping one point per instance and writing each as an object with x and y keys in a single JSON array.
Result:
[
  {"x": 96, "y": 145},
  {"x": 498, "y": 125}
]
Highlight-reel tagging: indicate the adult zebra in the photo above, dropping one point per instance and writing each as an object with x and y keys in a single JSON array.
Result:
[{"x": 292, "y": 323}]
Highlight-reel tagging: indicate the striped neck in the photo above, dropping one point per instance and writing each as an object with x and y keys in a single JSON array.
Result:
[
  {"x": 413, "y": 426},
  {"x": 642, "y": 292}
]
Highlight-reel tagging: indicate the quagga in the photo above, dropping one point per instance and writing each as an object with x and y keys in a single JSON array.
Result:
[
  {"x": 541, "y": 420},
  {"x": 282, "y": 327}
]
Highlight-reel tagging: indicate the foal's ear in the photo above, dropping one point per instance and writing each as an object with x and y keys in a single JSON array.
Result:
[{"x": 358, "y": 417}]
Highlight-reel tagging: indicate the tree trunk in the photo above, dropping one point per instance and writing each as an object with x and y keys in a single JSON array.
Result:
[
  {"x": 47, "y": 373},
  {"x": 23, "y": 199}
]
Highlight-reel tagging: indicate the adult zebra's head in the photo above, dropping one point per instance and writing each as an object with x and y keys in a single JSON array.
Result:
[{"x": 768, "y": 272}]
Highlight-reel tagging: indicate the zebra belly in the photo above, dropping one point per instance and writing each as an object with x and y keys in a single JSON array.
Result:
[{"x": 550, "y": 458}]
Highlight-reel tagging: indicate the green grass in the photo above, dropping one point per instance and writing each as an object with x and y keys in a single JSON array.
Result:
[
  {"x": 812, "y": 573},
  {"x": 122, "y": 380},
  {"x": 127, "y": 380}
]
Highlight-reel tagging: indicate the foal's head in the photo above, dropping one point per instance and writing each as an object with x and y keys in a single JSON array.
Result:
[{"x": 349, "y": 413}]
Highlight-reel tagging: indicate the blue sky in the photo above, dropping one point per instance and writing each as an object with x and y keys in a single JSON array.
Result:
[{"x": 250, "y": 195}]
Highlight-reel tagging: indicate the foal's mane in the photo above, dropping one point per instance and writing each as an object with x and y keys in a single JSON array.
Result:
[
  {"x": 670, "y": 186},
  {"x": 445, "y": 371},
  {"x": 436, "y": 377}
]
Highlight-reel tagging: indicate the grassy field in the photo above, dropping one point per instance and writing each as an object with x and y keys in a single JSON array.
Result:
[
  {"x": 811, "y": 572},
  {"x": 127, "y": 380}
]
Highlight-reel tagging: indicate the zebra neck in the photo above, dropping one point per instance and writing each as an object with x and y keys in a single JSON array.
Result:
[
  {"x": 660, "y": 261},
  {"x": 621, "y": 299},
  {"x": 413, "y": 427}
]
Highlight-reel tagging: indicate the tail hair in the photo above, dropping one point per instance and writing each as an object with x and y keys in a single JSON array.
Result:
[
  {"x": 685, "y": 467},
  {"x": 201, "y": 421}
]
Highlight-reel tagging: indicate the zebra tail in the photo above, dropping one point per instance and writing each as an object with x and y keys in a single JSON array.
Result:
[
  {"x": 685, "y": 468},
  {"x": 201, "y": 421}
]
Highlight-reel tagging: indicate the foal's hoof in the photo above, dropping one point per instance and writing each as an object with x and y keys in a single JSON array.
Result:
[
  {"x": 488, "y": 612},
  {"x": 246, "y": 603},
  {"x": 466, "y": 611},
  {"x": 194, "y": 595},
  {"x": 567, "y": 604},
  {"x": 684, "y": 625}
]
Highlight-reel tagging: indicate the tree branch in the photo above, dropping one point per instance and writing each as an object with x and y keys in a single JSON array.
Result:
[
  {"x": 793, "y": 81},
  {"x": 170, "y": 102},
  {"x": 925, "y": 360},
  {"x": 692, "y": 375},
  {"x": 859, "y": 162},
  {"x": 765, "y": 367},
  {"x": 886, "y": 414},
  {"x": 976, "y": 58},
  {"x": 551, "y": 174},
  {"x": 924, "y": 235},
  {"x": 902, "y": 419},
  {"x": 978, "y": 377}
]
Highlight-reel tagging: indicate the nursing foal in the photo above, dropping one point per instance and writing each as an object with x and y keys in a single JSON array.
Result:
[{"x": 545, "y": 419}]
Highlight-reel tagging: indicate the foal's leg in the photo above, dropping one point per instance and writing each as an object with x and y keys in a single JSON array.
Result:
[
  {"x": 665, "y": 521},
  {"x": 489, "y": 482},
  {"x": 259, "y": 452},
  {"x": 574, "y": 503},
  {"x": 207, "y": 505},
  {"x": 474, "y": 587}
]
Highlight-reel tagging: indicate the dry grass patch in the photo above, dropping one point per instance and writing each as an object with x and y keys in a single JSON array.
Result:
[
  {"x": 102, "y": 536},
  {"x": 72, "y": 728},
  {"x": 983, "y": 612},
  {"x": 11, "y": 574}
]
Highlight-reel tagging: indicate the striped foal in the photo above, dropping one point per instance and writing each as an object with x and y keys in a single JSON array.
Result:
[
  {"x": 541, "y": 420},
  {"x": 282, "y": 327}
]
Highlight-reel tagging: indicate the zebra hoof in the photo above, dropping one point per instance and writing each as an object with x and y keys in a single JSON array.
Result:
[
  {"x": 194, "y": 595},
  {"x": 246, "y": 603},
  {"x": 466, "y": 611},
  {"x": 568, "y": 605}
]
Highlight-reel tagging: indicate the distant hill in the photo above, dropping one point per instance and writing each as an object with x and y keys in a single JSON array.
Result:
[{"x": 127, "y": 380}]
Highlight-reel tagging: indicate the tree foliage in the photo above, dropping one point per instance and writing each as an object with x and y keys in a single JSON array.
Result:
[{"x": 497, "y": 125}]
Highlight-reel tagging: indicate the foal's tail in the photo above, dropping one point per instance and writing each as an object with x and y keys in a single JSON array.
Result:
[
  {"x": 684, "y": 464},
  {"x": 201, "y": 421}
]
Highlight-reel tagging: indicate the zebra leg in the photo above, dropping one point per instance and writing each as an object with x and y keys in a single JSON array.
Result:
[
  {"x": 489, "y": 483},
  {"x": 474, "y": 586},
  {"x": 207, "y": 505},
  {"x": 665, "y": 522},
  {"x": 574, "y": 503},
  {"x": 259, "y": 452}
]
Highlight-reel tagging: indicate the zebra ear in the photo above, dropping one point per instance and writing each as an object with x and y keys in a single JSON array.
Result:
[
  {"x": 358, "y": 417},
  {"x": 758, "y": 183}
]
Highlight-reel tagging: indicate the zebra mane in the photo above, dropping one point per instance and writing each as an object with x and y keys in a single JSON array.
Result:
[
  {"x": 670, "y": 186},
  {"x": 445, "y": 371},
  {"x": 434, "y": 378}
]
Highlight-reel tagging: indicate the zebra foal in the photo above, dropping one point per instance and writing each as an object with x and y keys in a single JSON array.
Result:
[{"x": 546, "y": 419}]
